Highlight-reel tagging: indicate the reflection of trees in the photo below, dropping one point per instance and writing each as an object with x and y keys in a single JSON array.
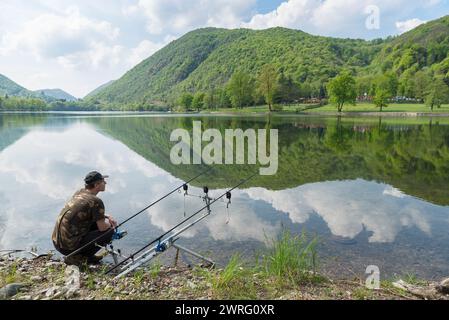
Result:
[
  {"x": 311, "y": 151},
  {"x": 338, "y": 139},
  {"x": 15, "y": 126},
  {"x": 414, "y": 159}
]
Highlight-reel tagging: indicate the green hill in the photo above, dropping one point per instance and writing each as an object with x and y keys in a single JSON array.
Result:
[
  {"x": 56, "y": 94},
  {"x": 10, "y": 88},
  {"x": 424, "y": 49},
  {"x": 206, "y": 58}
]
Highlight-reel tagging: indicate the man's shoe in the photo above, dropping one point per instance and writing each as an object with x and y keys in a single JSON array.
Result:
[{"x": 94, "y": 259}]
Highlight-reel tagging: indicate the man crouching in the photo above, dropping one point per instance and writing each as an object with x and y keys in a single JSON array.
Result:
[{"x": 82, "y": 220}]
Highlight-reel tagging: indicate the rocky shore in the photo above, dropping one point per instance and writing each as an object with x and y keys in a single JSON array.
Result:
[{"x": 46, "y": 278}]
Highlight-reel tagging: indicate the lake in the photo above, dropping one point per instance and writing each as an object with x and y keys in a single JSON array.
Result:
[{"x": 374, "y": 191}]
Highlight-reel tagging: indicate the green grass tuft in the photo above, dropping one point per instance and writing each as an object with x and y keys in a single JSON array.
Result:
[{"x": 292, "y": 259}]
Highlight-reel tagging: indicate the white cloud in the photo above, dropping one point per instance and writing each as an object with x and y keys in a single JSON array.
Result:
[
  {"x": 59, "y": 35},
  {"x": 341, "y": 18},
  {"x": 145, "y": 49},
  {"x": 349, "y": 207},
  {"x": 390, "y": 191},
  {"x": 178, "y": 16},
  {"x": 404, "y": 26}
]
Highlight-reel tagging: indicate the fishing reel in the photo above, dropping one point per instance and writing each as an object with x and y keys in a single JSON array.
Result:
[
  {"x": 228, "y": 197},
  {"x": 161, "y": 247},
  {"x": 119, "y": 234}
]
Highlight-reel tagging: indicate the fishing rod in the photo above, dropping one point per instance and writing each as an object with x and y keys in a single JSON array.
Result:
[
  {"x": 14, "y": 251},
  {"x": 162, "y": 245},
  {"x": 117, "y": 235}
]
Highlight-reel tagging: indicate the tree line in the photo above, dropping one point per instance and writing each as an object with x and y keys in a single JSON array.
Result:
[
  {"x": 272, "y": 87},
  {"x": 385, "y": 88}
]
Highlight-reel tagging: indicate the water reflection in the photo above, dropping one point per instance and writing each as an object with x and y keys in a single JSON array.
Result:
[
  {"x": 384, "y": 186},
  {"x": 350, "y": 207},
  {"x": 37, "y": 189}
]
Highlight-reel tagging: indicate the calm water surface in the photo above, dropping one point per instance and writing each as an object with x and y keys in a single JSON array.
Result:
[{"x": 374, "y": 191}]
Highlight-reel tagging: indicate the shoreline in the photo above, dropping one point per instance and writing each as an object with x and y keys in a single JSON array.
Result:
[
  {"x": 45, "y": 278},
  {"x": 394, "y": 114}
]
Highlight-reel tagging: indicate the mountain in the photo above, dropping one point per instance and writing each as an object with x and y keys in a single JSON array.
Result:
[
  {"x": 97, "y": 90},
  {"x": 10, "y": 88},
  {"x": 56, "y": 94},
  {"x": 206, "y": 58},
  {"x": 424, "y": 48}
]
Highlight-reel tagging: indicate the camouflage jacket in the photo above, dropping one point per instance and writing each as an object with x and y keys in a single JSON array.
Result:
[{"x": 76, "y": 219}]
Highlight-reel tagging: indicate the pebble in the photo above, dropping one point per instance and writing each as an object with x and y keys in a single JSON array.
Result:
[
  {"x": 443, "y": 287},
  {"x": 51, "y": 292},
  {"x": 51, "y": 264},
  {"x": 191, "y": 285},
  {"x": 71, "y": 293},
  {"x": 36, "y": 278}
]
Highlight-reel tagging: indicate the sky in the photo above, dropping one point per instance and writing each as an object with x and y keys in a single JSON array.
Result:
[{"x": 79, "y": 45}]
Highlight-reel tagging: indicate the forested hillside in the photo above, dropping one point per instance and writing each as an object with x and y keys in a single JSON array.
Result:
[{"x": 203, "y": 62}]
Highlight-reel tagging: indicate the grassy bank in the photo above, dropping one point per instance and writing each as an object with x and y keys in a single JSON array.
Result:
[
  {"x": 394, "y": 107},
  {"x": 331, "y": 109}
]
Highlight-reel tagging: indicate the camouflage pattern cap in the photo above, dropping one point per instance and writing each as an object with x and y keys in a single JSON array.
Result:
[{"x": 94, "y": 176}]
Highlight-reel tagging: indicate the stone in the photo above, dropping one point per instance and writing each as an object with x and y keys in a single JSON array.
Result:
[
  {"x": 71, "y": 293},
  {"x": 443, "y": 287},
  {"x": 10, "y": 290},
  {"x": 191, "y": 285},
  {"x": 51, "y": 292},
  {"x": 36, "y": 278}
]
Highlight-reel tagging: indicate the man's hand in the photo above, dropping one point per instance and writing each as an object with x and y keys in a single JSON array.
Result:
[{"x": 112, "y": 221}]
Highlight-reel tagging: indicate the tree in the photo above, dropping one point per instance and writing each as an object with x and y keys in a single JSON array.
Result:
[
  {"x": 391, "y": 83},
  {"x": 364, "y": 85},
  {"x": 437, "y": 93},
  {"x": 421, "y": 82},
  {"x": 198, "y": 101},
  {"x": 240, "y": 88},
  {"x": 267, "y": 83},
  {"x": 287, "y": 91},
  {"x": 384, "y": 87},
  {"x": 211, "y": 99},
  {"x": 186, "y": 100},
  {"x": 381, "y": 98},
  {"x": 342, "y": 89}
]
